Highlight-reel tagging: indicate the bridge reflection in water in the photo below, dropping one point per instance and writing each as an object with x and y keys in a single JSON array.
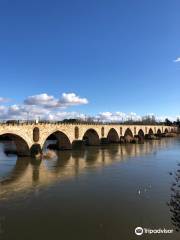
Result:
[{"x": 27, "y": 174}]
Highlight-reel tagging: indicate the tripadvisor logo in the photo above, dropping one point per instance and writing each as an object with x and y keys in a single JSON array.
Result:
[{"x": 139, "y": 231}]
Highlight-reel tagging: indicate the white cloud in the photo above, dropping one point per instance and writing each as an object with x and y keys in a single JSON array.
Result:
[
  {"x": 71, "y": 99},
  {"x": 177, "y": 59},
  {"x": 31, "y": 112},
  {"x": 47, "y": 107},
  {"x": 43, "y": 106},
  {"x": 47, "y": 101},
  {"x": 22, "y": 112},
  {"x": 120, "y": 117},
  {"x": 58, "y": 116},
  {"x": 162, "y": 118},
  {"x": 42, "y": 100},
  {"x": 117, "y": 116}
]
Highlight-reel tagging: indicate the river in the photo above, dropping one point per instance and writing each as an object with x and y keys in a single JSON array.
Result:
[{"x": 92, "y": 193}]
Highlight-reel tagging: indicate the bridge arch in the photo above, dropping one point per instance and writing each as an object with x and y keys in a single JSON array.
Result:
[
  {"x": 113, "y": 136},
  {"x": 91, "y": 137},
  {"x": 60, "y": 139},
  {"x": 141, "y": 133},
  {"x": 150, "y": 134},
  {"x": 128, "y": 135},
  {"x": 141, "y": 136},
  {"x": 150, "y": 131},
  {"x": 166, "y": 130},
  {"x": 159, "y": 131},
  {"x": 21, "y": 145}
]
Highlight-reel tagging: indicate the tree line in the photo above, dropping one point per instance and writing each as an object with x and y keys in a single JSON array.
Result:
[{"x": 145, "y": 120}]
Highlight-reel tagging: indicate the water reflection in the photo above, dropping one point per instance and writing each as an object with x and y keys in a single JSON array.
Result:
[
  {"x": 27, "y": 173},
  {"x": 174, "y": 203}
]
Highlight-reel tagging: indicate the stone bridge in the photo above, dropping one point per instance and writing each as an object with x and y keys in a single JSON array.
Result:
[{"x": 31, "y": 137}]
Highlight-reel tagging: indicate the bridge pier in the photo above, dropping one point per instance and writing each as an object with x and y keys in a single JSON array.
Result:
[
  {"x": 128, "y": 139},
  {"x": 138, "y": 139},
  {"x": 104, "y": 141},
  {"x": 77, "y": 144},
  {"x": 35, "y": 150},
  {"x": 150, "y": 137},
  {"x": 122, "y": 139},
  {"x": 157, "y": 136}
]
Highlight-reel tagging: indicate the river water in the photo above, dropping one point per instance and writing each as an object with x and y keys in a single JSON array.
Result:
[{"x": 92, "y": 193}]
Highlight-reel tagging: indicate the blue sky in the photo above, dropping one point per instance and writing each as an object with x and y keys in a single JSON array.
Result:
[{"x": 117, "y": 54}]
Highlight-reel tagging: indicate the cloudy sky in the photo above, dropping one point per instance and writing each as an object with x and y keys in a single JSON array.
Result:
[{"x": 110, "y": 59}]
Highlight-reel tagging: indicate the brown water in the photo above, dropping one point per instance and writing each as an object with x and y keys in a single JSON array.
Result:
[{"x": 92, "y": 194}]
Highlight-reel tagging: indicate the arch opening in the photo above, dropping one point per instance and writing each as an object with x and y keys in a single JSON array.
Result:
[
  {"x": 150, "y": 135},
  {"x": 113, "y": 136},
  {"x": 140, "y": 136},
  {"x": 151, "y": 131},
  {"x": 57, "y": 141},
  {"x": 141, "y": 133},
  {"x": 166, "y": 130},
  {"x": 14, "y": 144},
  {"x": 91, "y": 137},
  {"x": 158, "y": 132},
  {"x": 128, "y": 136}
]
